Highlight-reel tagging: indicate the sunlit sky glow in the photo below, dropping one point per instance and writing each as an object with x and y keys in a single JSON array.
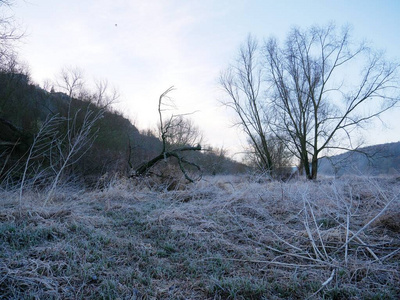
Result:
[{"x": 145, "y": 46}]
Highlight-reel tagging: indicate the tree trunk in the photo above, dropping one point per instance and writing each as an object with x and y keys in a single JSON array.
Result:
[
  {"x": 306, "y": 165},
  {"x": 314, "y": 168}
]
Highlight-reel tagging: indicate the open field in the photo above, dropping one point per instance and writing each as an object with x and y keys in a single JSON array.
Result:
[{"x": 221, "y": 238}]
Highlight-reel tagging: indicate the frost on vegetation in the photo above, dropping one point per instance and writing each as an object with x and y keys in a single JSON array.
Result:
[{"x": 224, "y": 237}]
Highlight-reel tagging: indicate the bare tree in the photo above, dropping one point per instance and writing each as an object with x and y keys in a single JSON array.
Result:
[
  {"x": 182, "y": 132},
  {"x": 105, "y": 95},
  {"x": 166, "y": 128},
  {"x": 71, "y": 82},
  {"x": 317, "y": 95},
  {"x": 8, "y": 34},
  {"x": 280, "y": 156},
  {"x": 313, "y": 93},
  {"x": 242, "y": 83}
]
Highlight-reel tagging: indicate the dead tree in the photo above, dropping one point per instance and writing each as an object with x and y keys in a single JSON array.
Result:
[{"x": 169, "y": 150}]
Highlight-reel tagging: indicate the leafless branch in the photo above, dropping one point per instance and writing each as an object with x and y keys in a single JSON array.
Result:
[{"x": 176, "y": 136}]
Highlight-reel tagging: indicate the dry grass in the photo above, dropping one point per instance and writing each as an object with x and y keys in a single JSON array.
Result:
[{"x": 221, "y": 238}]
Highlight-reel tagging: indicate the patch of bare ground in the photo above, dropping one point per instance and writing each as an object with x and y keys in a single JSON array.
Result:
[{"x": 221, "y": 238}]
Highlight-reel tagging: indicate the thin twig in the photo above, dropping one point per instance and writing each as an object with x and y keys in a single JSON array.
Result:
[{"x": 324, "y": 284}]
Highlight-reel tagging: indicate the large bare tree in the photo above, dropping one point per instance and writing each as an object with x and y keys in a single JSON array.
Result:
[
  {"x": 312, "y": 93},
  {"x": 323, "y": 87}
]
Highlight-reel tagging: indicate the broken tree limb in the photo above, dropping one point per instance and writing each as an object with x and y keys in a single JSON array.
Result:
[
  {"x": 183, "y": 160},
  {"x": 167, "y": 132},
  {"x": 145, "y": 167}
]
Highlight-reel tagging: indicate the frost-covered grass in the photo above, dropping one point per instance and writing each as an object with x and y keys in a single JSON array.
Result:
[{"x": 221, "y": 238}]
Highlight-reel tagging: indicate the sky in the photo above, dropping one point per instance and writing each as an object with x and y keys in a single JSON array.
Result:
[{"x": 143, "y": 47}]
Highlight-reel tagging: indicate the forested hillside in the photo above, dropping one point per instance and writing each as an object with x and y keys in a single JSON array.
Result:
[{"x": 40, "y": 129}]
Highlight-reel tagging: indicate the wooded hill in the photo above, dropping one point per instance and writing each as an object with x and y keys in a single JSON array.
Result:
[
  {"x": 383, "y": 159},
  {"x": 112, "y": 144}
]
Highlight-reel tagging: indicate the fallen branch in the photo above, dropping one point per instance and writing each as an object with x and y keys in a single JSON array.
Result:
[
  {"x": 166, "y": 131},
  {"x": 144, "y": 168}
]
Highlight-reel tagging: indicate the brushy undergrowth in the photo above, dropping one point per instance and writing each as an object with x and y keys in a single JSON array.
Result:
[{"x": 221, "y": 238}]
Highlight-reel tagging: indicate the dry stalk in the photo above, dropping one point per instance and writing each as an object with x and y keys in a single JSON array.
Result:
[
  {"x": 388, "y": 203},
  {"x": 323, "y": 285}
]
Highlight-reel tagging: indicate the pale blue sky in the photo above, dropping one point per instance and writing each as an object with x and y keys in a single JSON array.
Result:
[{"x": 159, "y": 43}]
